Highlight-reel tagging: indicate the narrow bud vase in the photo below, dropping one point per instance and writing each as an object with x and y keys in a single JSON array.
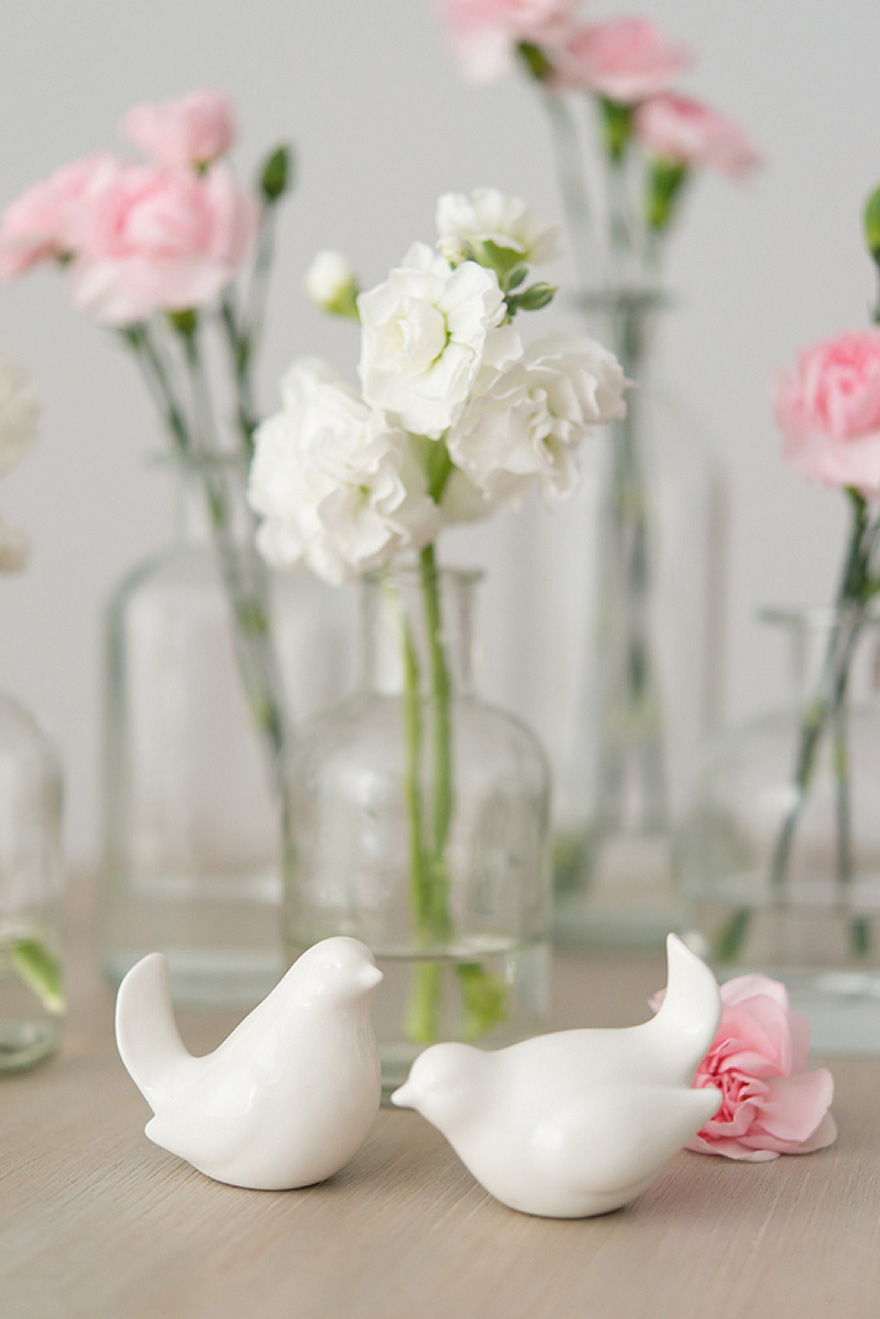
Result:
[{"x": 781, "y": 853}]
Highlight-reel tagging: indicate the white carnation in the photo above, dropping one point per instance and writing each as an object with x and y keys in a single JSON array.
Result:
[
  {"x": 330, "y": 281},
  {"x": 528, "y": 423},
  {"x": 426, "y": 332},
  {"x": 487, "y": 215},
  {"x": 338, "y": 490},
  {"x": 18, "y": 412}
]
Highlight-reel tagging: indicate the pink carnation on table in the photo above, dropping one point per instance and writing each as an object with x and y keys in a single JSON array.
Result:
[
  {"x": 685, "y": 131},
  {"x": 194, "y": 130},
  {"x": 828, "y": 410},
  {"x": 771, "y": 1105},
  {"x": 160, "y": 240},
  {"x": 42, "y": 222},
  {"x": 623, "y": 59},
  {"x": 485, "y": 33}
]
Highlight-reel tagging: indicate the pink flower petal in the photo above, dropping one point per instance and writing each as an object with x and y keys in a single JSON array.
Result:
[{"x": 795, "y": 1105}]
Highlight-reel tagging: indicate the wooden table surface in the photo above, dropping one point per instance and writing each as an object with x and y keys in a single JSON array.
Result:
[{"x": 97, "y": 1222}]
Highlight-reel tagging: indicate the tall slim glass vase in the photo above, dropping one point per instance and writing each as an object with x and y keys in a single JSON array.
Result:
[
  {"x": 192, "y": 844},
  {"x": 652, "y": 662}
]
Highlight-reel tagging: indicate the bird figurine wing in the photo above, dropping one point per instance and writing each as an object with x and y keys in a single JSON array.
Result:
[{"x": 613, "y": 1142}]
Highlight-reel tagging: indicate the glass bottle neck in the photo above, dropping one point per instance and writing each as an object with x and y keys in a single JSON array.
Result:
[
  {"x": 626, "y": 320},
  {"x": 212, "y": 494},
  {"x": 418, "y": 630},
  {"x": 828, "y": 647}
]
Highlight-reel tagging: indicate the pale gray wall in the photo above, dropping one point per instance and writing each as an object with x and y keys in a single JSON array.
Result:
[{"x": 382, "y": 125}]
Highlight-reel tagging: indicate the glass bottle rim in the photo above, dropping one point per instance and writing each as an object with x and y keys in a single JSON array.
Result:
[
  {"x": 210, "y": 462},
  {"x": 624, "y": 298},
  {"x": 818, "y": 618},
  {"x": 411, "y": 574}
]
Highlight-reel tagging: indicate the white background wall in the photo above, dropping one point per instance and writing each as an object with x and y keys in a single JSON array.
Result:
[{"x": 381, "y": 125}]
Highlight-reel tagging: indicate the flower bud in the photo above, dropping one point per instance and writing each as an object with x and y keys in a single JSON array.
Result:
[
  {"x": 331, "y": 283},
  {"x": 275, "y": 176},
  {"x": 872, "y": 225}
]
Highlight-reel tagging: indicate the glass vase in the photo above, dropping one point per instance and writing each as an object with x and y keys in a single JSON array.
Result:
[
  {"x": 203, "y": 673},
  {"x": 31, "y": 873},
  {"x": 421, "y": 827},
  {"x": 650, "y": 667},
  {"x": 781, "y": 852}
]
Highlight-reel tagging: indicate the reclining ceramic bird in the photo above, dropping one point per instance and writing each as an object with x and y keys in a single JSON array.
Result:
[
  {"x": 579, "y": 1122},
  {"x": 288, "y": 1098}
]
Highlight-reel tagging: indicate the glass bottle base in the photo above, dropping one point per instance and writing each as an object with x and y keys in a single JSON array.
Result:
[
  {"x": 620, "y": 894},
  {"x": 488, "y": 993},
  {"x": 23, "y": 1044}
]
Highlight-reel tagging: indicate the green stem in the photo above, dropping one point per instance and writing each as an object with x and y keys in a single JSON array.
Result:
[
  {"x": 259, "y": 286},
  {"x": 241, "y": 355},
  {"x": 832, "y": 687}
]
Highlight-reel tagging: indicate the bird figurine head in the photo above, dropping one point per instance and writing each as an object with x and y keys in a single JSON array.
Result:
[
  {"x": 580, "y": 1122},
  {"x": 339, "y": 971},
  {"x": 443, "y": 1083}
]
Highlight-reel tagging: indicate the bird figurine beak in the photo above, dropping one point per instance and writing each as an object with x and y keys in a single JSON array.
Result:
[
  {"x": 369, "y": 976},
  {"x": 403, "y": 1097}
]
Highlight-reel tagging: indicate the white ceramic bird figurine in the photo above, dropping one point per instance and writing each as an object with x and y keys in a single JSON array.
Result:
[
  {"x": 288, "y": 1098},
  {"x": 579, "y": 1122}
]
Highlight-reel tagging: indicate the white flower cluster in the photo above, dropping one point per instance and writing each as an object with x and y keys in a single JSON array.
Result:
[
  {"x": 454, "y": 413},
  {"x": 18, "y": 429}
]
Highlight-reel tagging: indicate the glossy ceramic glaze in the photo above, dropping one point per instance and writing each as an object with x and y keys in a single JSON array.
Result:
[
  {"x": 288, "y": 1098},
  {"x": 579, "y": 1122}
]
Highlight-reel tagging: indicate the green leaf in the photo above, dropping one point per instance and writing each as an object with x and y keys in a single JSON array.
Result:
[
  {"x": 486, "y": 1000},
  {"x": 276, "y": 174},
  {"x": 40, "y": 970}
]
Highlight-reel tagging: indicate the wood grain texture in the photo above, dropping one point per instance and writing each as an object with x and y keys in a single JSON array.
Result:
[{"x": 96, "y": 1222}]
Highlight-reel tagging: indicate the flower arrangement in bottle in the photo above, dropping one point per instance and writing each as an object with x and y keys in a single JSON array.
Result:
[
  {"x": 454, "y": 416},
  {"x": 172, "y": 255},
  {"x": 629, "y": 146}
]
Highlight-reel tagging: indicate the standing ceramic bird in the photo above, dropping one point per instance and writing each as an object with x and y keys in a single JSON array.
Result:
[
  {"x": 579, "y": 1122},
  {"x": 288, "y": 1098}
]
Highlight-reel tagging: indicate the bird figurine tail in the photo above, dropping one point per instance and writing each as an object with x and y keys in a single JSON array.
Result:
[
  {"x": 149, "y": 1043},
  {"x": 683, "y": 1030}
]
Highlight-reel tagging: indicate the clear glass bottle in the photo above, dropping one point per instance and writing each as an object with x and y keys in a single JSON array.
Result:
[
  {"x": 421, "y": 827},
  {"x": 191, "y": 836},
  {"x": 651, "y": 656},
  {"x": 781, "y": 853},
  {"x": 31, "y": 891}
]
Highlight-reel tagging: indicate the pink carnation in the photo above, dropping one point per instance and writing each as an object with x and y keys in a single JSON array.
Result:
[
  {"x": 42, "y": 222},
  {"x": 687, "y": 132},
  {"x": 194, "y": 130},
  {"x": 485, "y": 33},
  {"x": 159, "y": 239},
  {"x": 624, "y": 60},
  {"x": 771, "y": 1105},
  {"x": 829, "y": 412}
]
